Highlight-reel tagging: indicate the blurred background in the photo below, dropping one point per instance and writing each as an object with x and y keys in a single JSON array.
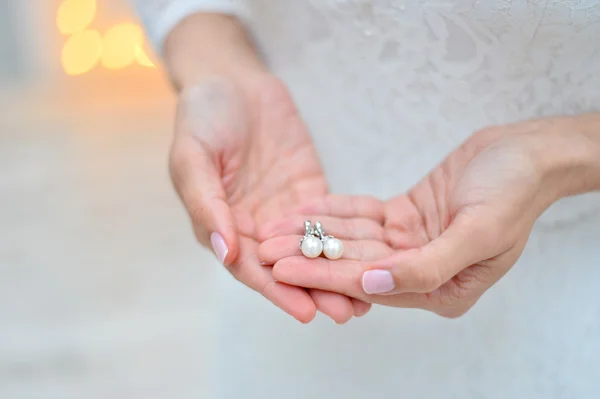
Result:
[{"x": 101, "y": 282}]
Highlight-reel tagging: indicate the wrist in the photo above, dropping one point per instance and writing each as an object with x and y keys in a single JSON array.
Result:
[
  {"x": 206, "y": 45},
  {"x": 569, "y": 152}
]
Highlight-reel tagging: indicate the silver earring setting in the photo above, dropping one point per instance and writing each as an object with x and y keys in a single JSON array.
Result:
[{"x": 315, "y": 242}]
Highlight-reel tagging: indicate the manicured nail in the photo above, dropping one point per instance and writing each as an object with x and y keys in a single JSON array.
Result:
[
  {"x": 377, "y": 282},
  {"x": 219, "y": 246}
]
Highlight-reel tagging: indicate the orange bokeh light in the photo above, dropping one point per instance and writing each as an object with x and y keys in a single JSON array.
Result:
[
  {"x": 121, "y": 46},
  {"x": 142, "y": 58},
  {"x": 75, "y": 15},
  {"x": 81, "y": 52}
]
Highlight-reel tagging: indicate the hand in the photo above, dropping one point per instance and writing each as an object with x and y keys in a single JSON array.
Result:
[
  {"x": 241, "y": 156},
  {"x": 458, "y": 231}
]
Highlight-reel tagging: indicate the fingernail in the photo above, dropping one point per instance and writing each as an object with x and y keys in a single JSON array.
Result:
[
  {"x": 219, "y": 246},
  {"x": 377, "y": 281}
]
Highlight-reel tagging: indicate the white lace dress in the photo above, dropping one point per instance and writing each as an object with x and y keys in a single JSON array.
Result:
[{"x": 403, "y": 82}]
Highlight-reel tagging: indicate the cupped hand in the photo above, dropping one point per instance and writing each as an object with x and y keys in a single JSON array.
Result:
[
  {"x": 242, "y": 156},
  {"x": 455, "y": 234}
]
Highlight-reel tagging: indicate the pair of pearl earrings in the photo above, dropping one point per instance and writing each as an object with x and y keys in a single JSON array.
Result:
[{"x": 316, "y": 242}]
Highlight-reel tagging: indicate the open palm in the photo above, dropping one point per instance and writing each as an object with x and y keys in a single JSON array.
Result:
[
  {"x": 242, "y": 157},
  {"x": 440, "y": 246}
]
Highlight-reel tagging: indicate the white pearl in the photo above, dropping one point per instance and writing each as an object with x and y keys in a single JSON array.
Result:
[
  {"x": 333, "y": 248},
  {"x": 312, "y": 247}
]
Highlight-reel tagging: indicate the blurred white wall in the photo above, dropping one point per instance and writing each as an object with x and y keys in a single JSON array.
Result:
[
  {"x": 103, "y": 289},
  {"x": 11, "y": 55}
]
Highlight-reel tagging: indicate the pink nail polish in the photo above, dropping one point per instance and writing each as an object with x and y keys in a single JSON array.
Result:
[
  {"x": 378, "y": 282},
  {"x": 219, "y": 246}
]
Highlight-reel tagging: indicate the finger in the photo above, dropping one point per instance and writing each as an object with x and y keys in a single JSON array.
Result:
[
  {"x": 422, "y": 270},
  {"x": 361, "y": 308},
  {"x": 278, "y": 248},
  {"x": 198, "y": 182},
  {"x": 343, "y": 277},
  {"x": 333, "y": 305},
  {"x": 336, "y": 306},
  {"x": 345, "y": 206},
  {"x": 339, "y": 307},
  {"x": 404, "y": 225},
  {"x": 292, "y": 300},
  {"x": 350, "y": 229},
  {"x": 461, "y": 292},
  {"x": 451, "y": 299}
]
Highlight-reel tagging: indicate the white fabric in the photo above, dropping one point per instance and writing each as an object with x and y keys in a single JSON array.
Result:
[
  {"x": 161, "y": 16},
  {"x": 403, "y": 82}
]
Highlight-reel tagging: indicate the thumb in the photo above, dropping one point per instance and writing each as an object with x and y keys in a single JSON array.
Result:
[
  {"x": 197, "y": 179},
  {"x": 421, "y": 270}
]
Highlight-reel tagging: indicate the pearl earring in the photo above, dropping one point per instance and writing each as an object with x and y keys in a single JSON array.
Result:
[
  {"x": 310, "y": 244},
  {"x": 332, "y": 247}
]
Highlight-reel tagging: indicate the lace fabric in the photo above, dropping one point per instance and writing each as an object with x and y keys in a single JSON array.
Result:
[{"x": 439, "y": 69}]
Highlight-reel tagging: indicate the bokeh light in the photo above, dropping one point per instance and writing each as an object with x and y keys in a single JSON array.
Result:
[
  {"x": 142, "y": 57},
  {"x": 75, "y": 15},
  {"x": 81, "y": 52},
  {"x": 119, "y": 45}
]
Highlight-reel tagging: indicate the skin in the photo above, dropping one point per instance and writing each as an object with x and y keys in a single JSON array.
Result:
[
  {"x": 242, "y": 159},
  {"x": 459, "y": 230},
  {"x": 241, "y": 156}
]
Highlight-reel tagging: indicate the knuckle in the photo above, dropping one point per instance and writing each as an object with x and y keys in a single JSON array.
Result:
[
  {"x": 266, "y": 288},
  {"x": 196, "y": 211},
  {"x": 201, "y": 235},
  {"x": 378, "y": 232}
]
